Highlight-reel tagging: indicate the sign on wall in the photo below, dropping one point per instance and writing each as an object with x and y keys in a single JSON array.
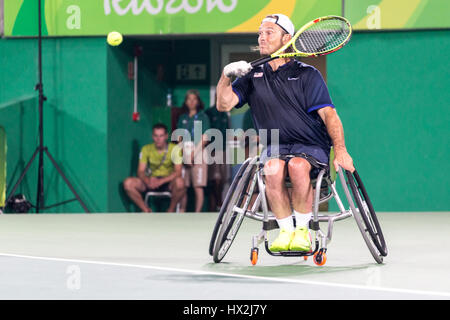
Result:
[
  {"x": 397, "y": 14},
  {"x": 1, "y": 17},
  {"x": 188, "y": 72},
  {"x": 139, "y": 17},
  {"x": 142, "y": 17}
]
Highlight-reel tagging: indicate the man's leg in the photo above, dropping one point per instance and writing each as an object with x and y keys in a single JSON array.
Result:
[
  {"x": 178, "y": 191},
  {"x": 199, "y": 198},
  {"x": 302, "y": 198},
  {"x": 302, "y": 191},
  {"x": 199, "y": 181},
  {"x": 212, "y": 187},
  {"x": 277, "y": 196},
  {"x": 186, "y": 176},
  {"x": 183, "y": 203},
  {"x": 134, "y": 187}
]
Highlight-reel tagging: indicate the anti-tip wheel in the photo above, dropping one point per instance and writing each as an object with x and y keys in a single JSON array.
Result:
[{"x": 320, "y": 258}]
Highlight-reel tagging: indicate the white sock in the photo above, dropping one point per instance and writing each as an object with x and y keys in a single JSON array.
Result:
[
  {"x": 302, "y": 219},
  {"x": 286, "y": 223}
]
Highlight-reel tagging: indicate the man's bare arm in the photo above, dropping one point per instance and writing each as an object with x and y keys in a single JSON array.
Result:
[
  {"x": 226, "y": 98},
  {"x": 336, "y": 133},
  {"x": 175, "y": 174},
  {"x": 334, "y": 126},
  {"x": 142, "y": 167}
]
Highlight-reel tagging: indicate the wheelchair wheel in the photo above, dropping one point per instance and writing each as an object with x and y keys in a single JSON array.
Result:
[
  {"x": 366, "y": 218},
  {"x": 232, "y": 218},
  {"x": 229, "y": 194}
]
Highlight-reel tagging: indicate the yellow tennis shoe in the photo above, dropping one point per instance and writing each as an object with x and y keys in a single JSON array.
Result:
[
  {"x": 301, "y": 240},
  {"x": 281, "y": 243}
]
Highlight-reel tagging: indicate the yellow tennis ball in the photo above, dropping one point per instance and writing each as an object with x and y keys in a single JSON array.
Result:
[{"x": 114, "y": 38}]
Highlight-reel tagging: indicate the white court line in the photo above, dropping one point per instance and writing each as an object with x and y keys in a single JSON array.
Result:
[{"x": 197, "y": 272}]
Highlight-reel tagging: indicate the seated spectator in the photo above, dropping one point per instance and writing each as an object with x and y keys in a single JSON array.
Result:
[{"x": 158, "y": 170}]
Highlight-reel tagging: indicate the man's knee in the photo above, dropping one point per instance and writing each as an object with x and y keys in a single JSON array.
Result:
[
  {"x": 274, "y": 166},
  {"x": 178, "y": 184},
  {"x": 299, "y": 169},
  {"x": 274, "y": 173},
  {"x": 130, "y": 183}
]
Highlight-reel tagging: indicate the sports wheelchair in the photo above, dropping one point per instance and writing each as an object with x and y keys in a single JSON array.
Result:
[{"x": 246, "y": 198}]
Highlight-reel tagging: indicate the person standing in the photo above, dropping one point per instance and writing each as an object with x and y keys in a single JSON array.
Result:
[{"x": 195, "y": 168}]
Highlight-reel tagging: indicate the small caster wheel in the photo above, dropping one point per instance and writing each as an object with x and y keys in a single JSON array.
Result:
[
  {"x": 254, "y": 256},
  {"x": 320, "y": 258},
  {"x": 305, "y": 258}
]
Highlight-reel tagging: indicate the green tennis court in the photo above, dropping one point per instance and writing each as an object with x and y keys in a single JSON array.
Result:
[{"x": 165, "y": 256}]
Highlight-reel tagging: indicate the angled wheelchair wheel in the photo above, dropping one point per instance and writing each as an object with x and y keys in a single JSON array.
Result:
[
  {"x": 226, "y": 201},
  {"x": 366, "y": 217},
  {"x": 233, "y": 213}
]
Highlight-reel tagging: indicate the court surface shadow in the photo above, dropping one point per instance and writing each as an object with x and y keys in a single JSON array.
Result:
[{"x": 285, "y": 270}]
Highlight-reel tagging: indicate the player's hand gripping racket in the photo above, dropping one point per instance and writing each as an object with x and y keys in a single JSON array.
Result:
[{"x": 319, "y": 37}]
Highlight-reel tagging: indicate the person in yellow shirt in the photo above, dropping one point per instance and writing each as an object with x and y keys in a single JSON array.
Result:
[{"x": 159, "y": 169}]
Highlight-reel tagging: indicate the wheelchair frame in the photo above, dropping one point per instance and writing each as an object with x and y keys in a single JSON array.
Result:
[{"x": 242, "y": 191}]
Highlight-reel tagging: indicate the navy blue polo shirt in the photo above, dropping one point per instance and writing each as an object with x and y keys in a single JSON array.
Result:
[{"x": 287, "y": 99}]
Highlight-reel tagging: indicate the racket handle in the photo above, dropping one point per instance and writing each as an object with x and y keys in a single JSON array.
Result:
[{"x": 260, "y": 61}]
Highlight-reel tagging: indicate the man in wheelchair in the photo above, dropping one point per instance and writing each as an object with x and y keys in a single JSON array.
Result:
[{"x": 291, "y": 97}]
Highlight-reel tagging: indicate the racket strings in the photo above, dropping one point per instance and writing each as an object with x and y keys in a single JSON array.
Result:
[{"x": 323, "y": 36}]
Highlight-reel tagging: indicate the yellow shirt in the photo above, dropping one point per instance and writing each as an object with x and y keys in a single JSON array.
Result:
[{"x": 153, "y": 158}]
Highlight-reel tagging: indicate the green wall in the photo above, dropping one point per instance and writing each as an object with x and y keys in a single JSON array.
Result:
[
  {"x": 88, "y": 125},
  {"x": 393, "y": 101},
  {"x": 391, "y": 98},
  {"x": 74, "y": 73},
  {"x": 125, "y": 136}
]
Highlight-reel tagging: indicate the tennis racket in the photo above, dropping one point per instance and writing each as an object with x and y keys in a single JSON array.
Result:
[{"x": 316, "y": 38}]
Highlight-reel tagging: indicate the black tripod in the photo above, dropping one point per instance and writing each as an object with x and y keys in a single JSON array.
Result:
[{"x": 41, "y": 148}]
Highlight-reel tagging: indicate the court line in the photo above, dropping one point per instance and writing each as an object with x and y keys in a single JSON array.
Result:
[{"x": 241, "y": 276}]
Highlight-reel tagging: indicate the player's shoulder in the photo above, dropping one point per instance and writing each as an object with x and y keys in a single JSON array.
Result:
[
  {"x": 302, "y": 67},
  {"x": 304, "y": 70}
]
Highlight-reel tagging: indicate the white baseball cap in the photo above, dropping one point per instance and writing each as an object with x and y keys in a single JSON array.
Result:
[{"x": 282, "y": 21}]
